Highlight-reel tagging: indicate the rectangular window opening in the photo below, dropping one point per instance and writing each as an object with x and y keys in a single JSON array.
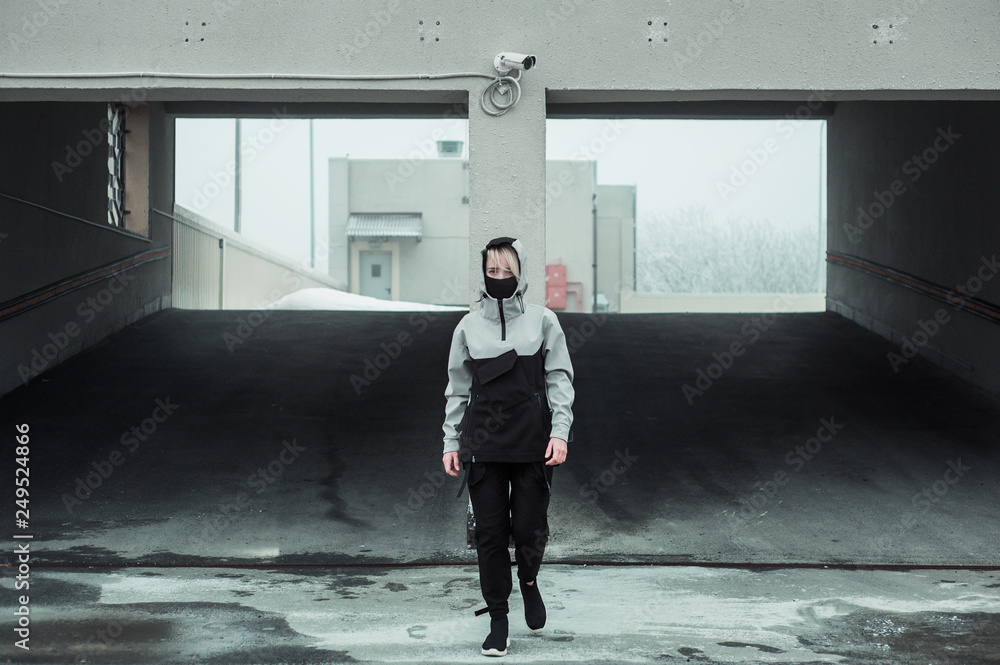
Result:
[
  {"x": 322, "y": 213},
  {"x": 669, "y": 215}
]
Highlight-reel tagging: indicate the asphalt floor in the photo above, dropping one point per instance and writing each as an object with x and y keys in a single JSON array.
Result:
[{"x": 234, "y": 487}]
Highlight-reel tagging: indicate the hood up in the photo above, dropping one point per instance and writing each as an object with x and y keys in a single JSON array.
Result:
[{"x": 522, "y": 281}]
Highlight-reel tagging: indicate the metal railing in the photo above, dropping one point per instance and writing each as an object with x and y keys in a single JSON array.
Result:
[{"x": 214, "y": 268}]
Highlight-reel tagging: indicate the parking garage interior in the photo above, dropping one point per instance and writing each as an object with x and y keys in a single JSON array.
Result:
[
  {"x": 167, "y": 439},
  {"x": 863, "y": 436}
]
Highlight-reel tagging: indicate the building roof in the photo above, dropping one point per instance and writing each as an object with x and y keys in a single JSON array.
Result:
[{"x": 385, "y": 225}]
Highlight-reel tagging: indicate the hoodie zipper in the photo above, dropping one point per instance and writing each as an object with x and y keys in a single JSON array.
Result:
[{"x": 503, "y": 323}]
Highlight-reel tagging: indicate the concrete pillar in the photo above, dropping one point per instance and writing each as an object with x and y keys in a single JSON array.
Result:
[{"x": 507, "y": 182}]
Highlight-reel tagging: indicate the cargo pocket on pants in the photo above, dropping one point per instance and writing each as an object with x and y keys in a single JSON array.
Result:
[
  {"x": 545, "y": 473},
  {"x": 476, "y": 473}
]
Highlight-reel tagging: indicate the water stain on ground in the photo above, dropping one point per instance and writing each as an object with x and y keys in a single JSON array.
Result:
[
  {"x": 337, "y": 507},
  {"x": 691, "y": 653},
  {"x": 280, "y": 655},
  {"x": 870, "y": 637},
  {"x": 168, "y": 632},
  {"x": 760, "y": 647},
  {"x": 64, "y": 592}
]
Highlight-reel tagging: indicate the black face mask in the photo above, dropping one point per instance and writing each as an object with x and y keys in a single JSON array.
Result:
[{"x": 501, "y": 288}]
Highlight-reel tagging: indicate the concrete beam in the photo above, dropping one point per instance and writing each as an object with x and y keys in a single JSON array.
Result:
[
  {"x": 915, "y": 47},
  {"x": 507, "y": 184}
]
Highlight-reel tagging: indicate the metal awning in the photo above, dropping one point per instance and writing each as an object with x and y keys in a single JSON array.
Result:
[{"x": 385, "y": 225}]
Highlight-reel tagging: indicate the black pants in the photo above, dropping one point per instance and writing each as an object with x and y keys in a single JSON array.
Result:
[{"x": 509, "y": 500}]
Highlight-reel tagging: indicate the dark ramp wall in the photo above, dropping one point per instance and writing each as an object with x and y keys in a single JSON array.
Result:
[
  {"x": 65, "y": 283},
  {"x": 913, "y": 222}
]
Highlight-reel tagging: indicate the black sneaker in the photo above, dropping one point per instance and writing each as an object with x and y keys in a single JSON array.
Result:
[
  {"x": 497, "y": 641},
  {"x": 534, "y": 608}
]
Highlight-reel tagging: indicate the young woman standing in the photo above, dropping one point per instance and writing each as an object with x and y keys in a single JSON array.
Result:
[{"x": 507, "y": 420}]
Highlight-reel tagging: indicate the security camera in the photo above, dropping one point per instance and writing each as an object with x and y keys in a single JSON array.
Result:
[{"x": 504, "y": 62}]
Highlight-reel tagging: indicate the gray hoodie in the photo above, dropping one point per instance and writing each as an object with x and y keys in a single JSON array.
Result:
[{"x": 510, "y": 379}]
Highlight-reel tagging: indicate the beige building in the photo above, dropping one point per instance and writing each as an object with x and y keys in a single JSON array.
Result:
[{"x": 399, "y": 230}]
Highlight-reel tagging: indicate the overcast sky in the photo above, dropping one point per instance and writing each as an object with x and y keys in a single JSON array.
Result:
[{"x": 757, "y": 168}]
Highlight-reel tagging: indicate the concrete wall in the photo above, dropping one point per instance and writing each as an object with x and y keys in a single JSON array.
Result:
[
  {"x": 435, "y": 269},
  {"x": 912, "y": 213},
  {"x": 615, "y": 242},
  {"x": 336, "y": 249},
  {"x": 569, "y": 225},
  {"x": 55, "y": 155},
  {"x": 68, "y": 279}
]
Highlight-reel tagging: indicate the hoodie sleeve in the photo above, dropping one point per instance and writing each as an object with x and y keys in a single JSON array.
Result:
[
  {"x": 558, "y": 377},
  {"x": 459, "y": 387}
]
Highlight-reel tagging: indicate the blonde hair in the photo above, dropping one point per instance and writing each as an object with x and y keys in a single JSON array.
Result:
[{"x": 508, "y": 253}]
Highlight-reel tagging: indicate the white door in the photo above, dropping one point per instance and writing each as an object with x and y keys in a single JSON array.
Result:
[{"x": 376, "y": 274}]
